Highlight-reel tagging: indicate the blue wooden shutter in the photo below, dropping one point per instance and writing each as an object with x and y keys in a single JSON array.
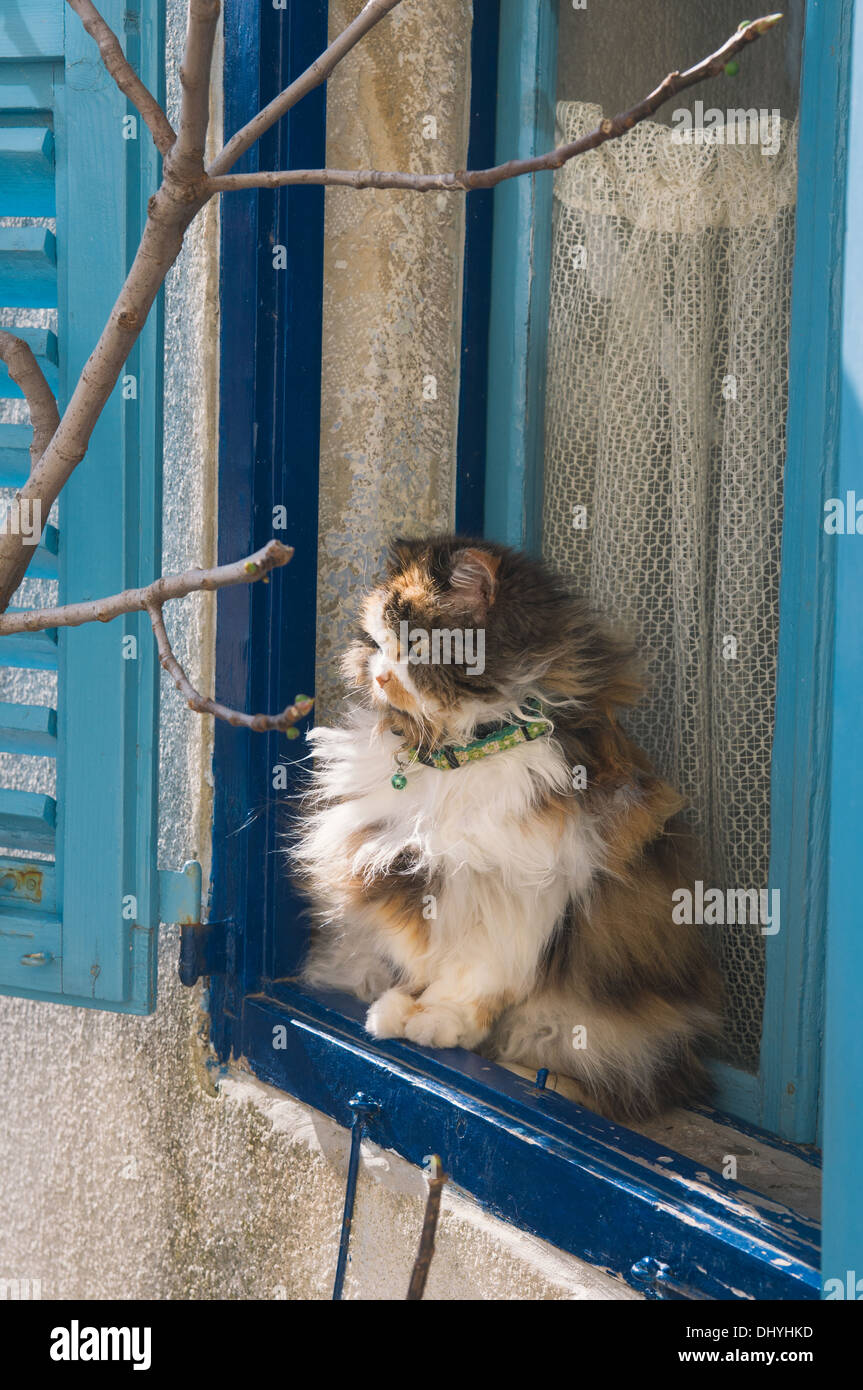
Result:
[{"x": 78, "y": 923}]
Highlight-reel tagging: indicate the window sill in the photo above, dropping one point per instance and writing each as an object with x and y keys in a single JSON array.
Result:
[
  {"x": 534, "y": 1158},
  {"x": 777, "y": 1170}
]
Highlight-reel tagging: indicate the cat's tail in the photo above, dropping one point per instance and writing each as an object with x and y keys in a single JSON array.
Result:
[{"x": 626, "y": 1064}]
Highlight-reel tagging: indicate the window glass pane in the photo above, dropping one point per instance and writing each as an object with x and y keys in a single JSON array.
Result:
[{"x": 666, "y": 405}]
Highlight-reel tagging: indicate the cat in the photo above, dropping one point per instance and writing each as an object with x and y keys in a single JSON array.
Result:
[{"x": 489, "y": 856}]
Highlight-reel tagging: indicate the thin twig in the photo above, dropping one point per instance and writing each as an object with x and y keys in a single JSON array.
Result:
[
  {"x": 28, "y": 375},
  {"x": 370, "y": 15},
  {"x": 202, "y": 704},
  {"x": 422, "y": 1263},
  {"x": 464, "y": 181},
  {"x": 124, "y": 74},
  {"x": 162, "y": 590},
  {"x": 151, "y": 599}
]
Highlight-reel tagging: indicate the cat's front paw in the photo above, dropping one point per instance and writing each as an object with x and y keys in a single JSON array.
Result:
[
  {"x": 388, "y": 1016},
  {"x": 438, "y": 1025}
]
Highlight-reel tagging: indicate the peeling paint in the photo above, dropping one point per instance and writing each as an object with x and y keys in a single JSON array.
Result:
[{"x": 25, "y": 883}]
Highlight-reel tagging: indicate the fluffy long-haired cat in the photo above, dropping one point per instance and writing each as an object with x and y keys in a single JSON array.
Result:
[{"x": 490, "y": 858}]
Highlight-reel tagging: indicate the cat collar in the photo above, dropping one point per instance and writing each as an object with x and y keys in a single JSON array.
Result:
[{"x": 454, "y": 755}]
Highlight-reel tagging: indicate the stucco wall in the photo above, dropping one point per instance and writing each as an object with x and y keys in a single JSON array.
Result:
[
  {"x": 128, "y": 1174},
  {"x": 131, "y": 1166},
  {"x": 392, "y": 303}
]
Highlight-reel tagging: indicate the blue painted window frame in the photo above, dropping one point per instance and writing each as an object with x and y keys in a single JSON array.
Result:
[
  {"x": 842, "y": 1208},
  {"x": 531, "y": 1156},
  {"x": 783, "y": 1097},
  {"x": 99, "y": 949}
]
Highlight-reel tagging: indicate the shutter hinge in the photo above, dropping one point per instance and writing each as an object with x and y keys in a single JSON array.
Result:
[
  {"x": 180, "y": 894},
  {"x": 203, "y": 950},
  {"x": 202, "y": 944}
]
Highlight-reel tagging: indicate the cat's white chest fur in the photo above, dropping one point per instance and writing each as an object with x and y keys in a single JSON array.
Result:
[{"x": 478, "y": 831}]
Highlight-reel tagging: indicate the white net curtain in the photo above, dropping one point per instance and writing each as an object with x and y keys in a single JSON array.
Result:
[{"x": 665, "y": 421}]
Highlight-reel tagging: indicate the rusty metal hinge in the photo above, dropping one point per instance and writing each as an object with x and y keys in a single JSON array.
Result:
[
  {"x": 202, "y": 944},
  {"x": 203, "y": 950}
]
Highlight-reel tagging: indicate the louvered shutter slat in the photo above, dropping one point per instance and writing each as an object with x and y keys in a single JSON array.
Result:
[
  {"x": 27, "y": 171},
  {"x": 28, "y": 267},
  {"x": 30, "y": 729},
  {"x": 32, "y": 29},
  {"x": 14, "y": 452},
  {"x": 37, "y": 651},
  {"x": 27, "y": 819}
]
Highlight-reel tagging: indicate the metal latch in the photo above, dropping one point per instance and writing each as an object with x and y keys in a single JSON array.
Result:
[{"x": 656, "y": 1280}]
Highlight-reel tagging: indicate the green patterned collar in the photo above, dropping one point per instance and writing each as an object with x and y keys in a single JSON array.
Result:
[{"x": 454, "y": 755}]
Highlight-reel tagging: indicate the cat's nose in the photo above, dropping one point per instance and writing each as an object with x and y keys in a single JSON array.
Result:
[{"x": 382, "y": 680}]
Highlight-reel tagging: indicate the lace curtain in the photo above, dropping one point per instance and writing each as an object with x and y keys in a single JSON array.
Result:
[{"x": 665, "y": 444}]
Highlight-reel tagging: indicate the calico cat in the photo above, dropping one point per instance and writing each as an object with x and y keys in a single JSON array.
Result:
[{"x": 490, "y": 858}]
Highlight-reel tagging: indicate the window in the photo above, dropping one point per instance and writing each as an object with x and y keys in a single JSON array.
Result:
[
  {"x": 655, "y": 462},
  {"x": 664, "y": 441},
  {"x": 530, "y": 1155},
  {"x": 79, "y": 893}
]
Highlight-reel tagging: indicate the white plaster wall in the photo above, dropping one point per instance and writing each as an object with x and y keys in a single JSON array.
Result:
[{"x": 131, "y": 1166}]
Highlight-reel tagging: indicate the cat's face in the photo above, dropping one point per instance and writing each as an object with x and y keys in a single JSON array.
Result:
[
  {"x": 422, "y": 650},
  {"x": 462, "y": 632},
  {"x": 457, "y": 634}
]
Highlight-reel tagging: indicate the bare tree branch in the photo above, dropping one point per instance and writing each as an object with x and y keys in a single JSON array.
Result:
[
  {"x": 169, "y": 586},
  {"x": 124, "y": 74},
  {"x": 151, "y": 599},
  {"x": 186, "y": 160},
  {"x": 172, "y": 208},
  {"x": 370, "y": 15},
  {"x": 28, "y": 375},
  {"x": 58, "y": 447},
  {"x": 464, "y": 181},
  {"x": 259, "y": 722}
]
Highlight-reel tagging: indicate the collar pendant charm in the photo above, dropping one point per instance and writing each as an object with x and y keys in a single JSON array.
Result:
[{"x": 403, "y": 758}]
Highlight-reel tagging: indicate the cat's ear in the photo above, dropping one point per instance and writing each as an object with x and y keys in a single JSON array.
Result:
[
  {"x": 400, "y": 552},
  {"x": 473, "y": 581}
]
